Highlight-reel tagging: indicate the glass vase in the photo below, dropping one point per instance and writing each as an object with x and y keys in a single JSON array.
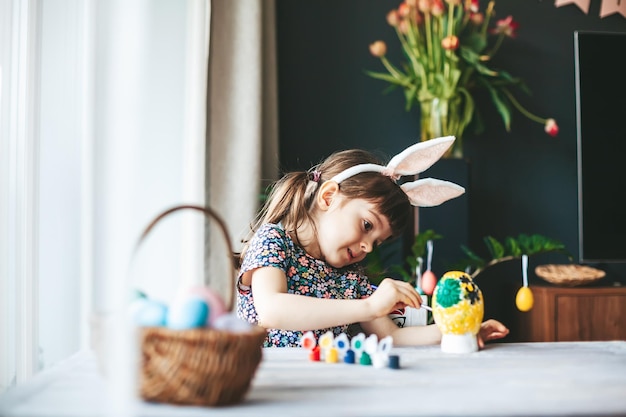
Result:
[{"x": 440, "y": 117}]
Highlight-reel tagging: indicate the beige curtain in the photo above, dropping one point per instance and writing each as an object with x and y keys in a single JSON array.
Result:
[{"x": 242, "y": 126}]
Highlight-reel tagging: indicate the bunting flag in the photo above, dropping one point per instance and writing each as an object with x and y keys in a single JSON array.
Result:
[
  {"x": 582, "y": 4},
  {"x": 607, "y": 8},
  {"x": 613, "y": 6}
]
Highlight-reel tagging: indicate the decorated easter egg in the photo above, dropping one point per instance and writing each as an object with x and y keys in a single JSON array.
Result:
[
  {"x": 216, "y": 304},
  {"x": 458, "y": 310},
  {"x": 148, "y": 313},
  {"x": 190, "y": 312},
  {"x": 429, "y": 281},
  {"x": 524, "y": 299}
]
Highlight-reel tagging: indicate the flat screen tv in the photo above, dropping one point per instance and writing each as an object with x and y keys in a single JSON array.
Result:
[{"x": 600, "y": 70}]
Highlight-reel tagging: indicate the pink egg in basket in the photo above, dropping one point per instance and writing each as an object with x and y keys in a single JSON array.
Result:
[{"x": 216, "y": 304}]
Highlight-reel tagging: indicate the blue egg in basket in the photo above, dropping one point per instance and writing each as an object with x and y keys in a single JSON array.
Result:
[
  {"x": 149, "y": 313},
  {"x": 188, "y": 313}
]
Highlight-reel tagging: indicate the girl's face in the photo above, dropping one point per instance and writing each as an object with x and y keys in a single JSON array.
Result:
[{"x": 349, "y": 229}]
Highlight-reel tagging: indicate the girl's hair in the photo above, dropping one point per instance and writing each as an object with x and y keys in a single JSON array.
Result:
[{"x": 291, "y": 198}]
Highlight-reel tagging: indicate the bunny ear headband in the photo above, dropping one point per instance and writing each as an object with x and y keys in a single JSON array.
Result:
[{"x": 426, "y": 192}]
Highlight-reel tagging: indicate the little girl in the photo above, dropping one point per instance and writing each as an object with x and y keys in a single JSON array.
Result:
[{"x": 300, "y": 270}]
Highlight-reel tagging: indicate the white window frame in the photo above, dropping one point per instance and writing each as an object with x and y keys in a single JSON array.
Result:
[
  {"x": 20, "y": 34},
  {"x": 19, "y": 91}
]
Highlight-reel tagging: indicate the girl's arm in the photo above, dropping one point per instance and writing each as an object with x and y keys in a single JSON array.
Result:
[
  {"x": 430, "y": 334},
  {"x": 278, "y": 309},
  {"x": 403, "y": 336}
]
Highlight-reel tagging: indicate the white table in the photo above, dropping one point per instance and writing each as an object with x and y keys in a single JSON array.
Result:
[{"x": 566, "y": 378}]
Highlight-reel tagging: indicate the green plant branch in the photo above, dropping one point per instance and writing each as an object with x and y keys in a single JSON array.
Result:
[
  {"x": 492, "y": 263},
  {"x": 496, "y": 46},
  {"x": 488, "y": 14},
  {"x": 429, "y": 45},
  {"x": 513, "y": 248},
  {"x": 521, "y": 108},
  {"x": 393, "y": 71}
]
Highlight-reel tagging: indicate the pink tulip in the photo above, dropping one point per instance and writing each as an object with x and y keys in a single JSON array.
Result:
[
  {"x": 450, "y": 43},
  {"x": 403, "y": 27},
  {"x": 404, "y": 10},
  {"x": 473, "y": 6},
  {"x": 506, "y": 27},
  {"x": 378, "y": 49},
  {"x": 437, "y": 9},
  {"x": 551, "y": 127},
  {"x": 392, "y": 18},
  {"x": 477, "y": 18},
  {"x": 423, "y": 6}
]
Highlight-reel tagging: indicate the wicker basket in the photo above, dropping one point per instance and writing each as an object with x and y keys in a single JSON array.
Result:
[
  {"x": 570, "y": 275},
  {"x": 206, "y": 367}
]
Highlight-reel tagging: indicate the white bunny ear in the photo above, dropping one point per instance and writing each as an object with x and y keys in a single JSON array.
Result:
[
  {"x": 429, "y": 192},
  {"x": 413, "y": 160},
  {"x": 420, "y": 157}
]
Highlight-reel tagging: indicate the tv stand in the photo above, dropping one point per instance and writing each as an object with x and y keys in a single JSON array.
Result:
[{"x": 583, "y": 313}]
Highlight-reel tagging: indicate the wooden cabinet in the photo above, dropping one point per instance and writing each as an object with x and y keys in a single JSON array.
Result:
[{"x": 574, "y": 314}]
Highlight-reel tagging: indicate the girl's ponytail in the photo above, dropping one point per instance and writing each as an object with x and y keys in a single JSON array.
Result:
[{"x": 288, "y": 202}]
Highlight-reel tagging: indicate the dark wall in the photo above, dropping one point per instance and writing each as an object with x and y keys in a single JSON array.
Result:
[{"x": 521, "y": 182}]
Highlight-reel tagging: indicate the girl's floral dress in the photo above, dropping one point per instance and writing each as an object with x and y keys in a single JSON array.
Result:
[{"x": 306, "y": 275}]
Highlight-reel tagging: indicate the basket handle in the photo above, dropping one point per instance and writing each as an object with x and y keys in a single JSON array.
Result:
[{"x": 210, "y": 214}]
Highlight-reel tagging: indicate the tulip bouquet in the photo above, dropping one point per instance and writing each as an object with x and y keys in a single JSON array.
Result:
[{"x": 448, "y": 47}]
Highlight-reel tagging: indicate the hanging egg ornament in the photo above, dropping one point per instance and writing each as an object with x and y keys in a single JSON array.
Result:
[
  {"x": 429, "y": 279},
  {"x": 429, "y": 282},
  {"x": 524, "y": 299}
]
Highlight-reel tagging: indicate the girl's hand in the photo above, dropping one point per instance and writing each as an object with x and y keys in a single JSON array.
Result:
[
  {"x": 393, "y": 294},
  {"x": 491, "y": 330}
]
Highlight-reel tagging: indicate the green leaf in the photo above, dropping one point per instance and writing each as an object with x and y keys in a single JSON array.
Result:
[
  {"x": 389, "y": 89},
  {"x": 474, "y": 42},
  {"x": 410, "y": 96},
  {"x": 468, "y": 112},
  {"x": 524, "y": 243},
  {"x": 503, "y": 75},
  {"x": 386, "y": 77},
  {"x": 418, "y": 249},
  {"x": 513, "y": 247},
  {"x": 375, "y": 261},
  {"x": 469, "y": 55},
  {"x": 495, "y": 248},
  {"x": 501, "y": 106},
  {"x": 477, "y": 260},
  {"x": 450, "y": 87},
  {"x": 536, "y": 243}
]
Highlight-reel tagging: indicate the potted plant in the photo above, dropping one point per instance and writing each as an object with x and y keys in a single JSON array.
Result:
[{"x": 448, "y": 48}]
